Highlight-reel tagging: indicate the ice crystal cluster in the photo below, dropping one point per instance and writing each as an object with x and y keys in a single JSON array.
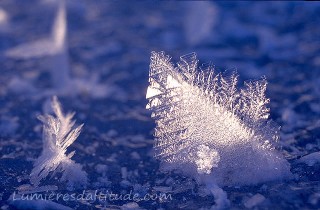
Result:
[
  {"x": 206, "y": 126},
  {"x": 58, "y": 135}
]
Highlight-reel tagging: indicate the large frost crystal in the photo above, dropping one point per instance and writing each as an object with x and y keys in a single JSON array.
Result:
[
  {"x": 58, "y": 135},
  {"x": 205, "y": 125}
]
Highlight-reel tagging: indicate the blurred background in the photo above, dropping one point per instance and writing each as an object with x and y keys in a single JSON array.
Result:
[{"x": 106, "y": 55}]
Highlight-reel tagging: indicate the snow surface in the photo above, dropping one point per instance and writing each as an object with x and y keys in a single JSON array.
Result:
[{"x": 109, "y": 45}]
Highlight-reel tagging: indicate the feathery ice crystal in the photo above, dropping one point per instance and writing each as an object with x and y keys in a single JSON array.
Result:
[
  {"x": 58, "y": 135},
  {"x": 205, "y": 126}
]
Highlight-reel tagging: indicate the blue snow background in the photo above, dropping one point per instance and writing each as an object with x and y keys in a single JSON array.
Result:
[{"x": 113, "y": 39}]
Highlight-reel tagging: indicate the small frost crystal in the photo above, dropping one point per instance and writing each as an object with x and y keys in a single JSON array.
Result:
[
  {"x": 58, "y": 135},
  {"x": 206, "y": 159},
  {"x": 206, "y": 126}
]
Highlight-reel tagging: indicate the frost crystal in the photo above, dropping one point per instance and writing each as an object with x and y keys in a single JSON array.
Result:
[
  {"x": 206, "y": 159},
  {"x": 205, "y": 124},
  {"x": 56, "y": 46},
  {"x": 53, "y": 45},
  {"x": 58, "y": 135}
]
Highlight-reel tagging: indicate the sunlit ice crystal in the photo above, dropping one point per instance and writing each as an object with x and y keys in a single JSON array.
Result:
[
  {"x": 206, "y": 126},
  {"x": 59, "y": 132}
]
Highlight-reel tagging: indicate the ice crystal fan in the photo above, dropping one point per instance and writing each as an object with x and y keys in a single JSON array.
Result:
[{"x": 206, "y": 126}]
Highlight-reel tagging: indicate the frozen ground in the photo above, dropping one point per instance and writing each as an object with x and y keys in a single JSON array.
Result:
[{"x": 113, "y": 40}]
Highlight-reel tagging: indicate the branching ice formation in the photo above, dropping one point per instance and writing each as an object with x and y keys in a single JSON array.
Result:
[
  {"x": 205, "y": 126},
  {"x": 58, "y": 135}
]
